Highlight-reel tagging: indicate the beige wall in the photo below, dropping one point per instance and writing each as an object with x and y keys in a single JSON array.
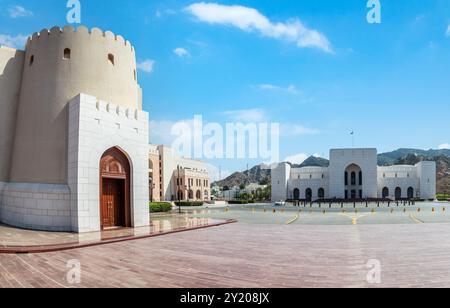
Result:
[
  {"x": 155, "y": 173},
  {"x": 165, "y": 163},
  {"x": 11, "y": 64},
  {"x": 195, "y": 182},
  {"x": 40, "y": 151}
]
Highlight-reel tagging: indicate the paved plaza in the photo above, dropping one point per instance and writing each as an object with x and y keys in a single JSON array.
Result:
[{"x": 411, "y": 254}]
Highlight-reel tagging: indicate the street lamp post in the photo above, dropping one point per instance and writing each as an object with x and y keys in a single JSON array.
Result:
[{"x": 178, "y": 189}]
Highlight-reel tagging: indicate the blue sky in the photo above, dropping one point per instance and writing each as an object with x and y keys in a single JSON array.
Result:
[{"x": 315, "y": 66}]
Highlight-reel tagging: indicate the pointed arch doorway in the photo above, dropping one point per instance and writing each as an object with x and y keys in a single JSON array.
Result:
[{"x": 115, "y": 181}]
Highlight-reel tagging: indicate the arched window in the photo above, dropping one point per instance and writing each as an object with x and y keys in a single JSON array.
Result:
[
  {"x": 360, "y": 178},
  {"x": 198, "y": 195},
  {"x": 31, "y": 60},
  {"x": 66, "y": 54},
  {"x": 180, "y": 195},
  {"x": 398, "y": 193},
  {"x": 353, "y": 176},
  {"x": 296, "y": 194},
  {"x": 308, "y": 194},
  {"x": 410, "y": 193},
  {"x": 346, "y": 178},
  {"x": 385, "y": 193},
  {"x": 321, "y": 193},
  {"x": 111, "y": 58}
]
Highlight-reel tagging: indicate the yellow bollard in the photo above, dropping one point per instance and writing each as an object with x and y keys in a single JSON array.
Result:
[
  {"x": 433, "y": 210},
  {"x": 356, "y": 211},
  {"x": 418, "y": 210},
  {"x": 373, "y": 211},
  {"x": 443, "y": 209}
]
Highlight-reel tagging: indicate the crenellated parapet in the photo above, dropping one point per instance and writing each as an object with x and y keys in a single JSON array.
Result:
[
  {"x": 94, "y": 34},
  {"x": 59, "y": 64}
]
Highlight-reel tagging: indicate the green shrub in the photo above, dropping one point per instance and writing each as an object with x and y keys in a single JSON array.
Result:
[
  {"x": 160, "y": 207},
  {"x": 442, "y": 197},
  {"x": 189, "y": 203}
]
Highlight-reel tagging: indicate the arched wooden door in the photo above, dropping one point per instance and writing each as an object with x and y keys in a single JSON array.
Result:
[{"x": 114, "y": 190}]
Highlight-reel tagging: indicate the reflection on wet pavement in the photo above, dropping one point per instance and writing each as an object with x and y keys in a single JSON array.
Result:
[{"x": 14, "y": 237}]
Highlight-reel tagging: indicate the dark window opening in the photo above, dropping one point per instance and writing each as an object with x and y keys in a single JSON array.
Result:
[
  {"x": 66, "y": 53},
  {"x": 111, "y": 58}
]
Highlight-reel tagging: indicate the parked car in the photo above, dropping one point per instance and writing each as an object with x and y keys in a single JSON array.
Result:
[{"x": 280, "y": 203}]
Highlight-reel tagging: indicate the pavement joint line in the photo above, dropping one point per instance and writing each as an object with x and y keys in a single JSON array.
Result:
[
  {"x": 354, "y": 218},
  {"x": 293, "y": 220},
  {"x": 415, "y": 219}
]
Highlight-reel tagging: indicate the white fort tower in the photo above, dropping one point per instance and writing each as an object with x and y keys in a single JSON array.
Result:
[
  {"x": 353, "y": 174},
  {"x": 73, "y": 136}
]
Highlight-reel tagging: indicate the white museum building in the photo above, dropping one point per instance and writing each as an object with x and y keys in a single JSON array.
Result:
[{"x": 354, "y": 174}]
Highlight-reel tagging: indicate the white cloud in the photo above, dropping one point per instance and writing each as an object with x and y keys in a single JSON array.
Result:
[
  {"x": 444, "y": 146},
  {"x": 296, "y": 159},
  {"x": 448, "y": 31},
  {"x": 251, "y": 20},
  {"x": 246, "y": 115},
  {"x": 291, "y": 129},
  {"x": 146, "y": 66},
  {"x": 17, "y": 11},
  {"x": 270, "y": 87},
  {"x": 181, "y": 52},
  {"x": 17, "y": 41}
]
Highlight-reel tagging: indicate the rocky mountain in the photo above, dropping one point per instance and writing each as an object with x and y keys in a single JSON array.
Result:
[
  {"x": 313, "y": 161},
  {"x": 257, "y": 174},
  {"x": 442, "y": 167},
  {"x": 391, "y": 158},
  {"x": 262, "y": 173}
]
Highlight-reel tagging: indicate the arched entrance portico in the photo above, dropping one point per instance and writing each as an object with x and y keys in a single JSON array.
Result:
[
  {"x": 115, "y": 196},
  {"x": 353, "y": 180}
]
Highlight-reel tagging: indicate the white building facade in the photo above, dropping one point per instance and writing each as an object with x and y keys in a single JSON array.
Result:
[
  {"x": 176, "y": 178},
  {"x": 73, "y": 135},
  {"x": 353, "y": 174}
]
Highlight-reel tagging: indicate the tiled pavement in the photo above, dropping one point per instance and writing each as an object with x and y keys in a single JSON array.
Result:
[{"x": 246, "y": 255}]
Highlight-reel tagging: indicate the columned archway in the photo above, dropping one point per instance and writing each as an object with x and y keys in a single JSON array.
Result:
[
  {"x": 353, "y": 182},
  {"x": 115, "y": 196}
]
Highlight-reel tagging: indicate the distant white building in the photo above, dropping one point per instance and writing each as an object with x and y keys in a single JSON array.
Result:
[{"x": 354, "y": 174}]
